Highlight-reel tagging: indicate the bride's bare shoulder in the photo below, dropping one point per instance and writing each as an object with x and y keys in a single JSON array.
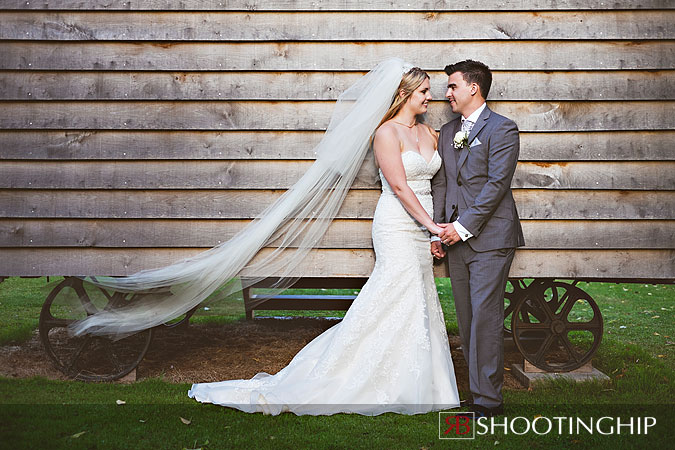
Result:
[
  {"x": 386, "y": 132},
  {"x": 386, "y": 128}
]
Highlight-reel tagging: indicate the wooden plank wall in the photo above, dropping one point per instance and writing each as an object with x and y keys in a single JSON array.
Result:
[{"x": 136, "y": 133}]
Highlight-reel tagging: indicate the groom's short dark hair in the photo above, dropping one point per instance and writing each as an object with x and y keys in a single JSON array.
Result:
[{"x": 473, "y": 72}]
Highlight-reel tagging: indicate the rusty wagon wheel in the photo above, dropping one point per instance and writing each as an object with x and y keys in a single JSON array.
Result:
[
  {"x": 87, "y": 358},
  {"x": 557, "y": 327}
]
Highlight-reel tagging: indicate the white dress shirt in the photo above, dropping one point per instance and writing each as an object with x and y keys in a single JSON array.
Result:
[{"x": 464, "y": 234}]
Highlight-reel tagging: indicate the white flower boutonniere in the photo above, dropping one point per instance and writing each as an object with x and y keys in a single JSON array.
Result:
[{"x": 461, "y": 139}]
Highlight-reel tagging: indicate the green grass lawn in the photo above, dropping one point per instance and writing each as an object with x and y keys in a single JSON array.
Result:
[{"x": 636, "y": 352}]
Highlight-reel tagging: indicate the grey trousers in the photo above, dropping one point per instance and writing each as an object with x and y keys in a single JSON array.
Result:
[{"x": 478, "y": 282}]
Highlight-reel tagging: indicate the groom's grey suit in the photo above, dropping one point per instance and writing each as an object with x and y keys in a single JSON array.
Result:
[{"x": 473, "y": 186}]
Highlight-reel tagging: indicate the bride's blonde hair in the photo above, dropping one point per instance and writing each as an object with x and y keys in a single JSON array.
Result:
[{"x": 410, "y": 81}]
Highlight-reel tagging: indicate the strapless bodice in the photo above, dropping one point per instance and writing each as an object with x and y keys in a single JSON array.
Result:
[{"x": 418, "y": 172}]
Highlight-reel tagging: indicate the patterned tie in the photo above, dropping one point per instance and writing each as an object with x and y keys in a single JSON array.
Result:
[{"x": 467, "y": 125}]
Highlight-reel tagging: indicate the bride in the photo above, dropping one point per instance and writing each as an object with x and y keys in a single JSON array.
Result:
[{"x": 390, "y": 353}]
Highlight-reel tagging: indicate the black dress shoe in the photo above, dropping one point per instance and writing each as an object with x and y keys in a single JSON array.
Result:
[
  {"x": 467, "y": 402},
  {"x": 484, "y": 411}
]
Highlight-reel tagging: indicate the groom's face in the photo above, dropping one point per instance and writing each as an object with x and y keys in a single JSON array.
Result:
[{"x": 460, "y": 93}]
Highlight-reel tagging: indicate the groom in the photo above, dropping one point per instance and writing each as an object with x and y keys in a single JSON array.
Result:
[{"x": 472, "y": 192}]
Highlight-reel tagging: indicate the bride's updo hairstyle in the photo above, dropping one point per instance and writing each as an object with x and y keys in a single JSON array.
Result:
[{"x": 410, "y": 81}]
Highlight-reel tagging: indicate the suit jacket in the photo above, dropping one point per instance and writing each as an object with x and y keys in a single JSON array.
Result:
[{"x": 473, "y": 184}]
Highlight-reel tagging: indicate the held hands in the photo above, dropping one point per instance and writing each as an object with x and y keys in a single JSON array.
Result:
[
  {"x": 449, "y": 235},
  {"x": 437, "y": 250},
  {"x": 436, "y": 228}
]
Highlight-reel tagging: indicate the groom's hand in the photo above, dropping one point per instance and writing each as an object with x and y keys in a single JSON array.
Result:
[
  {"x": 437, "y": 249},
  {"x": 449, "y": 235}
]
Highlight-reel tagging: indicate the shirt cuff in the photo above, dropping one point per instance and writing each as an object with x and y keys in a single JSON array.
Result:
[
  {"x": 434, "y": 238},
  {"x": 464, "y": 234}
]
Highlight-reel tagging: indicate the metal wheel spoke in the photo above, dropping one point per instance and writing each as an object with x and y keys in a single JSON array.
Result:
[
  {"x": 112, "y": 356},
  {"x": 88, "y": 306},
  {"x": 570, "y": 348},
  {"x": 583, "y": 326},
  {"x": 78, "y": 352},
  {"x": 534, "y": 326},
  {"x": 107, "y": 295},
  {"x": 539, "y": 307},
  {"x": 544, "y": 347},
  {"x": 118, "y": 300},
  {"x": 553, "y": 306},
  {"x": 548, "y": 310},
  {"x": 530, "y": 307},
  {"x": 57, "y": 323},
  {"x": 569, "y": 304},
  {"x": 543, "y": 316},
  {"x": 509, "y": 309}
]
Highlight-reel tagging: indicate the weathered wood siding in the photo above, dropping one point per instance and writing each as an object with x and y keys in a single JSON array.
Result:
[{"x": 136, "y": 133}]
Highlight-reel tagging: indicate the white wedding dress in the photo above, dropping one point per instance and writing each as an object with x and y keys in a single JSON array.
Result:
[{"x": 390, "y": 353}]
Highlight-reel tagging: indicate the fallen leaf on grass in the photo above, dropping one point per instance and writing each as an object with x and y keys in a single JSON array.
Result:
[
  {"x": 661, "y": 356},
  {"x": 77, "y": 435},
  {"x": 120, "y": 402},
  {"x": 656, "y": 334},
  {"x": 186, "y": 421},
  {"x": 197, "y": 448},
  {"x": 655, "y": 317}
]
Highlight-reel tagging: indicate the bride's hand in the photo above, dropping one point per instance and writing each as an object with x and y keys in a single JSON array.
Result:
[{"x": 437, "y": 228}]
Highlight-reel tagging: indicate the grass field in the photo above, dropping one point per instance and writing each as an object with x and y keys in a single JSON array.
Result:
[{"x": 637, "y": 353}]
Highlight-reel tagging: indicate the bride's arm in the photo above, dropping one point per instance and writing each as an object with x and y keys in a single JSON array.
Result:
[{"x": 388, "y": 155}]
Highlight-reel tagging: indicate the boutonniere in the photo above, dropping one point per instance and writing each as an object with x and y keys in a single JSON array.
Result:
[{"x": 461, "y": 139}]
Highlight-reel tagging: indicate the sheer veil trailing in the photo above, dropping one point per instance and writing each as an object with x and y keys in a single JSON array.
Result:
[{"x": 293, "y": 224}]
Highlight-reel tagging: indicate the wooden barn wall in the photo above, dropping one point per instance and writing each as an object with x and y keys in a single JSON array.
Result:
[{"x": 136, "y": 133}]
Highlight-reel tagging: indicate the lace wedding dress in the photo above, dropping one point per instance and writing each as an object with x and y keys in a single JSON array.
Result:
[{"x": 390, "y": 353}]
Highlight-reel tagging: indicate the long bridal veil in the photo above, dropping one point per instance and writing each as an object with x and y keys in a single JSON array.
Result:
[{"x": 292, "y": 225}]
